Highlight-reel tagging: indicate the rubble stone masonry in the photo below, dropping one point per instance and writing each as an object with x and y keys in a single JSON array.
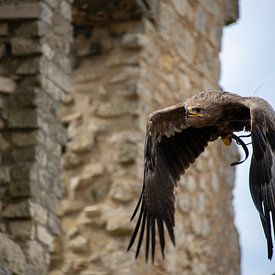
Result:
[{"x": 67, "y": 192}]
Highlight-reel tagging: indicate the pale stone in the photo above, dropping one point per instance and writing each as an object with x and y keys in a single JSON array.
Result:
[
  {"x": 25, "y": 46},
  {"x": 79, "y": 244},
  {"x": 11, "y": 255},
  {"x": 124, "y": 190},
  {"x": 4, "y": 175},
  {"x": 69, "y": 207},
  {"x": 92, "y": 211},
  {"x": 68, "y": 118},
  {"x": 24, "y": 139},
  {"x": 20, "y": 209},
  {"x": 39, "y": 213},
  {"x": 44, "y": 236},
  {"x": 118, "y": 226},
  {"x": 70, "y": 160},
  {"x": 22, "y": 230},
  {"x": 82, "y": 145},
  {"x": 90, "y": 172},
  {"x": 184, "y": 203},
  {"x": 7, "y": 85},
  {"x": 134, "y": 41},
  {"x": 191, "y": 184}
]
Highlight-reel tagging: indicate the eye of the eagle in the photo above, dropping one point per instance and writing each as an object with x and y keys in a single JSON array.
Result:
[{"x": 195, "y": 112}]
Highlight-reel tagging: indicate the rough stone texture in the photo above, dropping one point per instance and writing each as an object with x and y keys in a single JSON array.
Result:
[
  {"x": 125, "y": 67},
  {"x": 35, "y": 41},
  {"x": 130, "y": 57}
]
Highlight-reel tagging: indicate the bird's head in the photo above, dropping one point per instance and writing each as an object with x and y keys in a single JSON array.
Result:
[{"x": 195, "y": 111}]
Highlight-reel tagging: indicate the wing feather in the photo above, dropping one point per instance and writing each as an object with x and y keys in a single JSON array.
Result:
[
  {"x": 262, "y": 168},
  {"x": 170, "y": 147}
]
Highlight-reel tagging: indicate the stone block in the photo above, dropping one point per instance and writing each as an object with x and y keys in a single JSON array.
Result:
[
  {"x": 21, "y": 209},
  {"x": 20, "y": 11},
  {"x": 56, "y": 75},
  {"x": 4, "y": 144},
  {"x": 19, "y": 189},
  {"x": 30, "y": 28},
  {"x": 11, "y": 256},
  {"x": 25, "y": 46},
  {"x": 4, "y": 175},
  {"x": 24, "y": 154},
  {"x": 7, "y": 85},
  {"x": 231, "y": 11},
  {"x": 24, "y": 118},
  {"x": 118, "y": 226},
  {"x": 134, "y": 41},
  {"x": 28, "y": 66},
  {"x": 79, "y": 245},
  {"x": 3, "y": 29},
  {"x": 54, "y": 224},
  {"x": 21, "y": 171},
  {"x": 44, "y": 236},
  {"x": 35, "y": 256},
  {"x": 39, "y": 213},
  {"x": 22, "y": 230},
  {"x": 66, "y": 10},
  {"x": 124, "y": 190},
  {"x": 23, "y": 139}
]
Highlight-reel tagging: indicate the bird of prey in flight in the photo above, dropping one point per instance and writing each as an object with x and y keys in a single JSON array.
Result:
[{"x": 177, "y": 135}]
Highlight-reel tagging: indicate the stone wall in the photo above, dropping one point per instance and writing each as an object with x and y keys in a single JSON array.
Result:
[
  {"x": 131, "y": 59},
  {"x": 34, "y": 77}
]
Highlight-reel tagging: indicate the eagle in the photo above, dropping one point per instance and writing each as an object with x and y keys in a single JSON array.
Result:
[{"x": 177, "y": 135}]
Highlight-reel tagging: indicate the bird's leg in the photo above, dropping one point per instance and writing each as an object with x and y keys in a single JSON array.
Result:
[
  {"x": 227, "y": 139},
  {"x": 239, "y": 141}
]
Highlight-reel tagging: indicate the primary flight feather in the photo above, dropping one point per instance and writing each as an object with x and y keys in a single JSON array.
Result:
[{"x": 177, "y": 135}]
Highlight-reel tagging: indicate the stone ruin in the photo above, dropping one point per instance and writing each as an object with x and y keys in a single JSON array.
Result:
[{"x": 77, "y": 80}]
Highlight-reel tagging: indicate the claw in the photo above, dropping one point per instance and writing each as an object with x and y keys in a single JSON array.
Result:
[{"x": 239, "y": 141}]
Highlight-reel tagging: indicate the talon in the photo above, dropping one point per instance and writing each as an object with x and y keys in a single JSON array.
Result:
[{"x": 227, "y": 140}]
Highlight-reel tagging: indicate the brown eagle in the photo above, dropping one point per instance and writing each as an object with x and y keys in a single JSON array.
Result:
[{"x": 177, "y": 135}]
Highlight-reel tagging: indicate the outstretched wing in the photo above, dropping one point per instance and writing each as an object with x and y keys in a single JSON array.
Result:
[
  {"x": 262, "y": 169},
  {"x": 170, "y": 147}
]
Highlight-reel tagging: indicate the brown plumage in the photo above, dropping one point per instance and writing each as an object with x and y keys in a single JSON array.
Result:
[{"x": 177, "y": 135}]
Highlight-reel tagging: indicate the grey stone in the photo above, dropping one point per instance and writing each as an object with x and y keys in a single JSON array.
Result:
[
  {"x": 32, "y": 28},
  {"x": 44, "y": 236},
  {"x": 134, "y": 41},
  {"x": 20, "y": 209},
  {"x": 7, "y": 85},
  {"x": 12, "y": 257},
  {"x": 19, "y": 189},
  {"x": 36, "y": 257},
  {"x": 184, "y": 203},
  {"x": 24, "y": 138},
  {"x": 4, "y": 144},
  {"x": 4, "y": 175},
  {"x": 20, "y": 11},
  {"x": 3, "y": 29},
  {"x": 28, "y": 66},
  {"x": 22, "y": 230},
  {"x": 25, "y": 46}
]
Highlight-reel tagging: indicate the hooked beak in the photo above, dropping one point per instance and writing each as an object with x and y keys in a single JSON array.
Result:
[{"x": 192, "y": 113}]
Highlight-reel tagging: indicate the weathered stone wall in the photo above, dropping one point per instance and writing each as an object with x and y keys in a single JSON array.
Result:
[
  {"x": 34, "y": 77},
  {"x": 130, "y": 58}
]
